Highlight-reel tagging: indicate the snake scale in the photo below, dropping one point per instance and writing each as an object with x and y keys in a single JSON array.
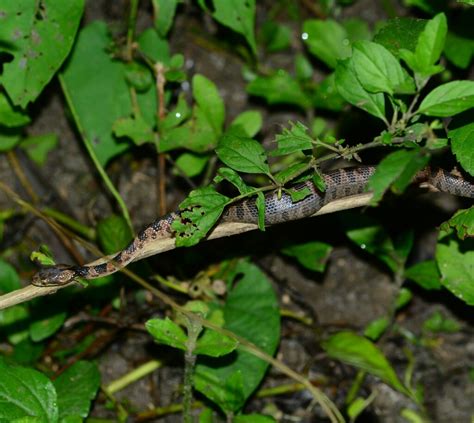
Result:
[{"x": 278, "y": 209}]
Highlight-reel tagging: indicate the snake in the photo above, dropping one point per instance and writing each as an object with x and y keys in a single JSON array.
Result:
[{"x": 279, "y": 208}]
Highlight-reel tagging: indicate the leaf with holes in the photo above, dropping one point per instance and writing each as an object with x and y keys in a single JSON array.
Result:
[
  {"x": 200, "y": 211},
  {"x": 39, "y": 35}
]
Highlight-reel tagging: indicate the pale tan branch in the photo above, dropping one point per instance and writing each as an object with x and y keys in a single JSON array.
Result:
[{"x": 159, "y": 246}]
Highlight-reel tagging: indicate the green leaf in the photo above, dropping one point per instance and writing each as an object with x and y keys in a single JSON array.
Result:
[
  {"x": 303, "y": 67},
  {"x": 156, "y": 48},
  {"x": 164, "y": 11},
  {"x": 378, "y": 70},
  {"x": 353, "y": 92},
  {"x": 39, "y": 146},
  {"x": 135, "y": 128},
  {"x": 209, "y": 102},
  {"x": 376, "y": 328},
  {"x": 43, "y": 327},
  {"x": 26, "y": 393},
  {"x": 95, "y": 87},
  {"x": 403, "y": 298},
  {"x": 400, "y": 33},
  {"x": 461, "y": 133},
  {"x": 358, "y": 351},
  {"x": 458, "y": 49},
  {"x": 138, "y": 76},
  {"x": 9, "y": 138},
  {"x": 76, "y": 388},
  {"x": 260, "y": 203},
  {"x": 312, "y": 255},
  {"x": 192, "y": 164},
  {"x": 9, "y": 280},
  {"x": 214, "y": 344},
  {"x": 298, "y": 194},
  {"x": 455, "y": 260},
  {"x": 225, "y": 173},
  {"x": 431, "y": 43},
  {"x": 290, "y": 172},
  {"x": 167, "y": 332},
  {"x": 436, "y": 323},
  {"x": 113, "y": 234},
  {"x": 396, "y": 170},
  {"x": 238, "y": 15},
  {"x": 275, "y": 36},
  {"x": 279, "y": 88},
  {"x": 371, "y": 237},
  {"x": 12, "y": 321},
  {"x": 39, "y": 36},
  {"x": 251, "y": 311},
  {"x": 326, "y": 95},
  {"x": 11, "y": 116},
  {"x": 253, "y": 418},
  {"x": 243, "y": 154},
  {"x": 462, "y": 222},
  {"x": 201, "y": 210},
  {"x": 177, "y": 116},
  {"x": 293, "y": 140},
  {"x": 327, "y": 40},
  {"x": 250, "y": 121},
  {"x": 448, "y": 99},
  {"x": 425, "y": 274}
]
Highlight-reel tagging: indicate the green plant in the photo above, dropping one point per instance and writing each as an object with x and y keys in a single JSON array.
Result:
[{"x": 128, "y": 95}]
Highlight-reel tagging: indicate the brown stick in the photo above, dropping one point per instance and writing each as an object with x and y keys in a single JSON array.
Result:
[{"x": 226, "y": 229}]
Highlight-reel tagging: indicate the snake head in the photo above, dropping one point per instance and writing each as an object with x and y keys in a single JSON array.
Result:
[{"x": 54, "y": 276}]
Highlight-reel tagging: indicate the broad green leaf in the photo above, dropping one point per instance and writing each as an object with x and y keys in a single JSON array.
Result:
[
  {"x": 396, "y": 171},
  {"x": 138, "y": 76},
  {"x": 326, "y": 95},
  {"x": 155, "y": 47},
  {"x": 27, "y": 352},
  {"x": 26, "y": 393},
  {"x": 462, "y": 222},
  {"x": 448, "y": 99},
  {"x": 458, "y": 49},
  {"x": 176, "y": 116},
  {"x": 97, "y": 92},
  {"x": 11, "y": 116},
  {"x": 250, "y": 121},
  {"x": 243, "y": 154},
  {"x": 425, "y": 274},
  {"x": 280, "y": 88},
  {"x": 12, "y": 322},
  {"x": 327, "y": 40},
  {"x": 113, "y": 234},
  {"x": 251, "y": 311},
  {"x": 461, "y": 133},
  {"x": 378, "y": 70},
  {"x": 431, "y": 43},
  {"x": 9, "y": 279},
  {"x": 167, "y": 332},
  {"x": 371, "y": 237},
  {"x": 238, "y": 15},
  {"x": 298, "y": 194},
  {"x": 376, "y": 328},
  {"x": 357, "y": 29},
  {"x": 200, "y": 211},
  {"x": 225, "y": 173},
  {"x": 403, "y": 298},
  {"x": 358, "y": 351},
  {"x": 353, "y": 92},
  {"x": 192, "y": 164},
  {"x": 214, "y": 344},
  {"x": 436, "y": 323},
  {"x": 9, "y": 138},
  {"x": 164, "y": 11},
  {"x": 400, "y": 33},
  {"x": 290, "y": 172},
  {"x": 293, "y": 140},
  {"x": 76, "y": 388},
  {"x": 134, "y": 128},
  {"x": 275, "y": 36},
  {"x": 39, "y": 35},
  {"x": 44, "y": 327},
  {"x": 38, "y": 147},
  {"x": 303, "y": 68},
  {"x": 208, "y": 99},
  {"x": 455, "y": 260},
  {"x": 313, "y": 255}
]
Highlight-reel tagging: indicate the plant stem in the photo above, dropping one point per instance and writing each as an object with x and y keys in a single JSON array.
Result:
[
  {"x": 132, "y": 20},
  {"x": 71, "y": 223},
  {"x": 88, "y": 145},
  {"x": 194, "y": 329}
]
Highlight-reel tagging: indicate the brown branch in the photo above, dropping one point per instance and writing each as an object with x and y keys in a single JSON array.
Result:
[{"x": 159, "y": 246}]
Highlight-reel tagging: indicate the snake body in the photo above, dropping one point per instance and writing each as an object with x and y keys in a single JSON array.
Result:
[{"x": 278, "y": 209}]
